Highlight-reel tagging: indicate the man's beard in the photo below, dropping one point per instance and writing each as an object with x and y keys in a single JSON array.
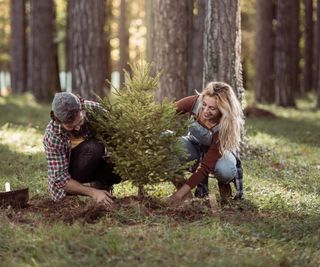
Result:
[{"x": 84, "y": 129}]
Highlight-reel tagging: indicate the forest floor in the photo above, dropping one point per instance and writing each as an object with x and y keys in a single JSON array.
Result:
[{"x": 277, "y": 224}]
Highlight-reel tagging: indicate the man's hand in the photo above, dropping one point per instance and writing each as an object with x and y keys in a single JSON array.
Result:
[
  {"x": 100, "y": 196},
  {"x": 104, "y": 197}
]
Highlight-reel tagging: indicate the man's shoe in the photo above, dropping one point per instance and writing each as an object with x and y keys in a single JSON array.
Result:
[{"x": 202, "y": 189}]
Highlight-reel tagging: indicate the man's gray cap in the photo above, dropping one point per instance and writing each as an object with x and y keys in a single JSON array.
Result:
[{"x": 65, "y": 106}]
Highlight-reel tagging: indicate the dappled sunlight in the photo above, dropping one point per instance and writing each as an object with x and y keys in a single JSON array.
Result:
[
  {"x": 21, "y": 140},
  {"x": 262, "y": 139},
  {"x": 271, "y": 194},
  {"x": 23, "y": 101}
]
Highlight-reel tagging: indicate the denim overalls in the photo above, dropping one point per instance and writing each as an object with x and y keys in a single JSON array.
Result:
[{"x": 197, "y": 143}]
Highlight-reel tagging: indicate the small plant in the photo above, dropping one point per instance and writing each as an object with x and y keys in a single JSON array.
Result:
[{"x": 140, "y": 133}]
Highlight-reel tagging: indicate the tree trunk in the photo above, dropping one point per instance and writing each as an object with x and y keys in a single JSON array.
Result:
[
  {"x": 18, "y": 46},
  {"x": 108, "y": 20},
  {"x": 283, "y": 55},
  {"x": 150, "y": 29},
  {"x": 308, "y": 47},
  {"x": 88, "y": 46},
  {"x": 264, "y": 65},
  {"x": 222, "y": 45},
  {"x": 195, "y": 77},
  {"x": 318, "y": 54},
  {"x": 124, "y": 41},
  {"x": 295, "y": 52},
  {"x": 171, "y": 43},
  {"x": 69, "y": 37},
  {"x": 43, "y": 76}
]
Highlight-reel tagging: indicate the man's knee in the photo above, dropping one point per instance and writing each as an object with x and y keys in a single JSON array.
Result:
[{"x": 93, "y": 147}]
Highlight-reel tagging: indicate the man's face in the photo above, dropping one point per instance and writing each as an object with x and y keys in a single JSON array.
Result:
[{"x": 77, "y": 123}]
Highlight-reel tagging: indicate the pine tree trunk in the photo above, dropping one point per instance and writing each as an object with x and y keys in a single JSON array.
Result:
[
  {"x": 171, "y": 43},
  {"x": 318, "y": 54},
  {"x": 107, "y": 26},
  {"x": 283, "y": 56},
  {"x": 69, "y": 37},
  {"x": 43, "y": 77},
  {"x": 18, "y": 46},
  {"x": 222, "y": 45},
  {"x": 295, "y": 17},
  {"x": 195, "y": 77},
  {"x": 264, "y": 65},
  {"x": 124, "y": 40},
  {"x": 308, "y": 47},
  {"x": 150, "y": 28},
  {"x": 88, "y": 46}
]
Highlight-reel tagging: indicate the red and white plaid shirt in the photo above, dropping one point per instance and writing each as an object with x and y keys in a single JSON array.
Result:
[{"x": 57, "y": 147}]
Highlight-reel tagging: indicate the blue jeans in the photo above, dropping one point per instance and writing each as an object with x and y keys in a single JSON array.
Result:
[{"x": 225, "y": 169}]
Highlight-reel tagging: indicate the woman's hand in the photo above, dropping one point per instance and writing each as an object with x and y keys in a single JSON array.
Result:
[{"x": 178, "y": 197}]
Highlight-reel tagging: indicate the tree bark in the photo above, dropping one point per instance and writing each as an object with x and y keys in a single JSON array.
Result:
[
  {"x": 124, "y": 41},
  {"x": 308, "y": 47},
  {"x": 295, "y": 50},
  {"x": 264, "y": 64},
  {"x": 171, "y": 43},
  {"x": 150, "y": 28},
  {"x": 43, "y": 76},
  {"x": 88, "y": 45},
  {"x": 18, "y": 46},
  {"x": 222, "y": 44},
  {"x": 195, "y": 77},
  {"x": 283, "y": 55},
  {"x": 318, "y": 54},
  {"x": 108, "y": 20}
]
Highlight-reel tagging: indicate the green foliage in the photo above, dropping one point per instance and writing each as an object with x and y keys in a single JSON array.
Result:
[{"x": 140, "y": 133}]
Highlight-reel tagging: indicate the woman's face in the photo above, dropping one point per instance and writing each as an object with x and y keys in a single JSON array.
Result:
[{"x": 209, "y": 109}]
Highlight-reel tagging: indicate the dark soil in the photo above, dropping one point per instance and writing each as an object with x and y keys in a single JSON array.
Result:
[{"x": 127, "y": 210}]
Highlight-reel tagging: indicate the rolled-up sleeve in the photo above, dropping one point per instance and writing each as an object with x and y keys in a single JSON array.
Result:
[{"x": 57, "y": 154}]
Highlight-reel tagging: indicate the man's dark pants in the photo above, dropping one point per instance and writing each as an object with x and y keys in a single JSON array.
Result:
[{"x": 88, "y": 165}]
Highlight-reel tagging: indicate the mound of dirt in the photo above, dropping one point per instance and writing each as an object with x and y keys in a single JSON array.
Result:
[{"x": 74, "y": 209}]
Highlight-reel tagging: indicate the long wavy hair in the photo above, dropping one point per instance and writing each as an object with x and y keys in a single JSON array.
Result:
[{"x": 231, "y": 121}]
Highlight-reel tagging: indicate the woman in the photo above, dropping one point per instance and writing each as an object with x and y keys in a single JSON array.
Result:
[{"x": 213, "y": 135}]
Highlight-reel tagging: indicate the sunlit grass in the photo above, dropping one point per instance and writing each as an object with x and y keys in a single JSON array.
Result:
[{"x": 276, "y": 225}]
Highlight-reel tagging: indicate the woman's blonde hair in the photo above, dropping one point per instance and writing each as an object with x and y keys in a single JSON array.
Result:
[{"x": 231, "y": 121}]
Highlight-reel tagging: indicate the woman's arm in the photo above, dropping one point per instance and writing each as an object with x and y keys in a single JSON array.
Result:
[
  {"x": 186, "y": 104},
  {"x": 207, "y": 165}
]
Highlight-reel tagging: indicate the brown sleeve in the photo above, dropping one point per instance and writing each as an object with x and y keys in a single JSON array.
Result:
[
  {"x": 207, "y": 165},
  {"x": 186, "y": 104}
]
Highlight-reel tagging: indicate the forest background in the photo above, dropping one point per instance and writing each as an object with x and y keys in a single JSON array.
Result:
[{"x": 267, "y": 50}]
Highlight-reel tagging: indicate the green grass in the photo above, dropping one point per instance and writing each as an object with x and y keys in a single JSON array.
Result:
[{"x": 276, "y": 225}]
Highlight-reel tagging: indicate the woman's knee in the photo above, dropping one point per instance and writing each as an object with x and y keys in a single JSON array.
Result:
[{"x": 225, "y": 169}]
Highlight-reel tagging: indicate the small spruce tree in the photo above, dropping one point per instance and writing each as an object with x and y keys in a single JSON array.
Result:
[{"x": 141, "y": 135}]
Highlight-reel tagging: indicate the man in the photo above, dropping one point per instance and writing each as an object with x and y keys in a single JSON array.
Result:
[{"x": 74, "y": 156}]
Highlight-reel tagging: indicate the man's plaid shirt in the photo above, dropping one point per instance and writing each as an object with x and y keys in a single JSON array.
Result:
[{"x": 57, "y": 147}]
